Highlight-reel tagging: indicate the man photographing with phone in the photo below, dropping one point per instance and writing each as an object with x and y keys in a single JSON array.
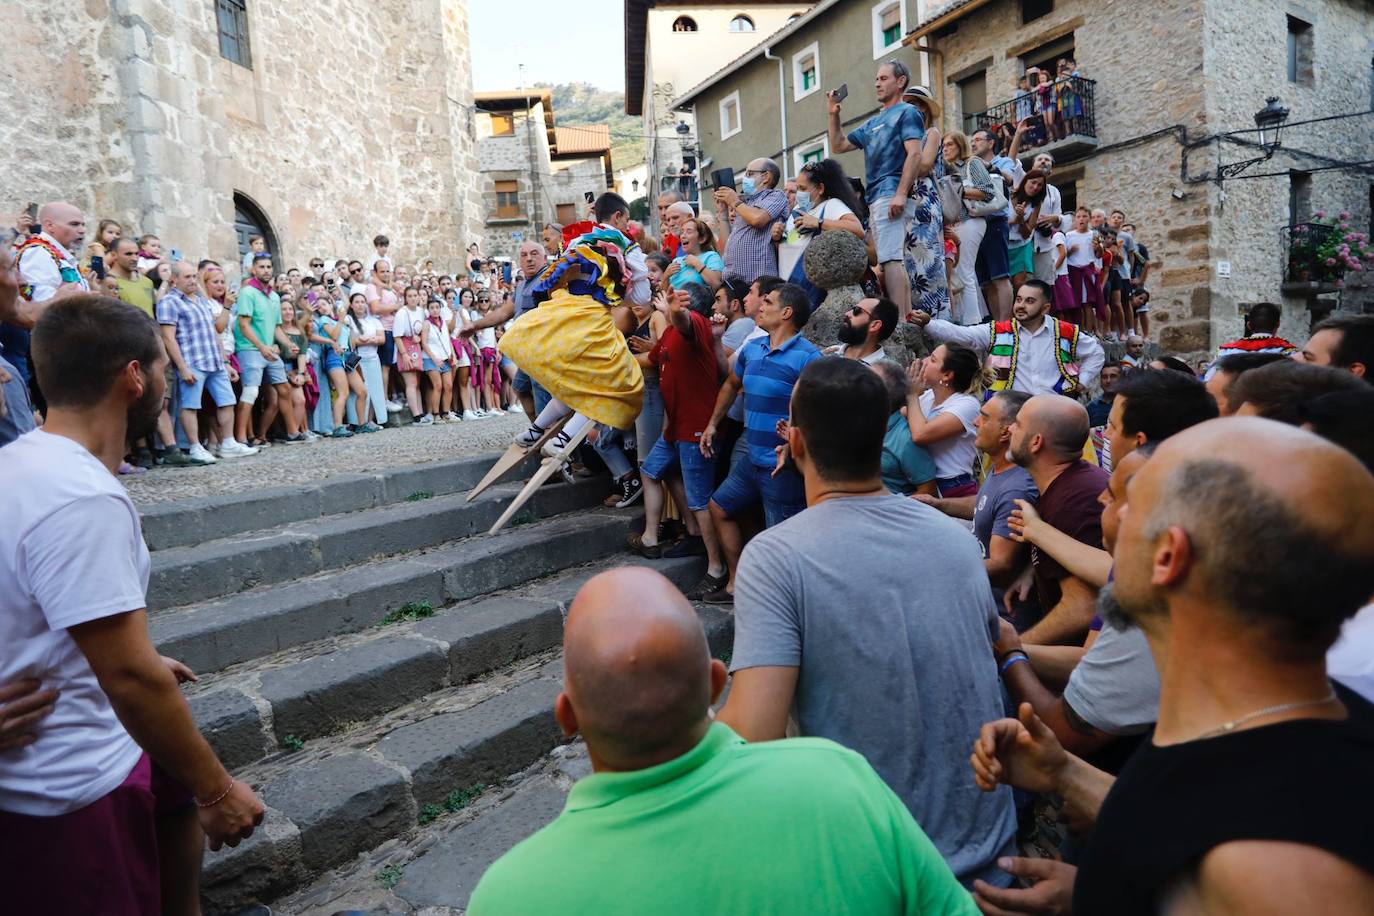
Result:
[
  {"x": 747, "y": 217},
  {"x": 891, "y": 141}
]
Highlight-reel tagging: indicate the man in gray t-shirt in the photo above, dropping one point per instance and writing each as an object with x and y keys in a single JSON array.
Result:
[
  {"x": 1115, "y": 686},
  {"x": 870, "y": 615}
]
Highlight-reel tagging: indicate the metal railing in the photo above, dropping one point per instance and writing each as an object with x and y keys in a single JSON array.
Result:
[
  {"x": 1070, "y": 103},
  {"x": 1305, "y": 255}
]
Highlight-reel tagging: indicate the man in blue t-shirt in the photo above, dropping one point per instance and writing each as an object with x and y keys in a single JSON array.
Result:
[
  {"x": 891, "y": 141},
  {"x": 766, "y": 369}
]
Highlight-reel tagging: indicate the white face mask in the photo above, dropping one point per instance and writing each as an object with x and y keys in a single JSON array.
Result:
[{"x": 803, "y": 201}]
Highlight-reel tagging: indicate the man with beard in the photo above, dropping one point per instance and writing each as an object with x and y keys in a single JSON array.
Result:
[
  {"x": 1252, "y": 737},
  {"x": 865, "y": 327},
  {"x": 47, "y": 270},
  {"x": 1047, "y": 439},
  {"x": 118, "y": 778},
  {"x": 1113, "y": 688},
  {"x": 1027, "y": 353}
]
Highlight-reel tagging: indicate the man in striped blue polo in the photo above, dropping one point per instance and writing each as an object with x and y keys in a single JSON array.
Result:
[{"x": 766, "y": 369}]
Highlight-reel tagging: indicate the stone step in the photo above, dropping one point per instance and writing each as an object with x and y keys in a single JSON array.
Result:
[
  {"x": 212, "y": 635},
  {"x": 270, "y": 703},
  {"x": 223, "y": 567},
  {"x": 209, "y": 518},
  {"x": 350, "y": 792}
]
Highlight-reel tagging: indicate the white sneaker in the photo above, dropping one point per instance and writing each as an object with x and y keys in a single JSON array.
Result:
[
  {"x": 515, "y": 408},
  {"x": 426, "y": 420},
  {"x": 470, "y": 415},
  {"x": 235, "y": 449},
  {"x": 199, "y": 453},
  {"x": 451, "y": 416},
  {"x": 394, "y": 407},
  {"x": 311, "y": 436},
  {"x": 479, "y": 414}
]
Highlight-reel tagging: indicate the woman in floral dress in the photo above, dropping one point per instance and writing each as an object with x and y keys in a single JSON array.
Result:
[{"x": 925, "y": 243}]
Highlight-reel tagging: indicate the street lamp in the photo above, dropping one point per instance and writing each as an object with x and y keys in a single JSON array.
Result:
[{"x": 1270, "y": 120}]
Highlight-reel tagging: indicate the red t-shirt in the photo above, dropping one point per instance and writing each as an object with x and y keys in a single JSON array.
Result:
[{"x": 687, "y": 376}]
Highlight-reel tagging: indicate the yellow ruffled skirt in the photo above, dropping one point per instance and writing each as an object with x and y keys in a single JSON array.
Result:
[{"x": 571, "y": 347}]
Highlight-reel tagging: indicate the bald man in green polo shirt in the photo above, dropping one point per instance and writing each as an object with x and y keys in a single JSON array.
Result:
[{"x": 680, "y": 815}]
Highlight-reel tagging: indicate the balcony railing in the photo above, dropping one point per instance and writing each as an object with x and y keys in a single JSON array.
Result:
[
  {"x": 1071, "y": 133},
  {"x": 1305, "y": 269}
]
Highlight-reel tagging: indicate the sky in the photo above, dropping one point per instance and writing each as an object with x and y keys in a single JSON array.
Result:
[{"x": 557, "y": 41}]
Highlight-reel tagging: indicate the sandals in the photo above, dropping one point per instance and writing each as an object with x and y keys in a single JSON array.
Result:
[{"x": 649, "y": 552}]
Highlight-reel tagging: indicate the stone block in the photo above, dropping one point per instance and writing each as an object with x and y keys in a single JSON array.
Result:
[
  {"x": 493, "y": 633},
  {"x": 212, "y": 636},
  {"x": 1185, "y": 338},
  {"x": 185, "y": 575},
  {"x": 342, "y": 805},
  {"x": 256, "y": 871},
  {"x": 480, "y": 744},
  {"x": 231, "y": 724},
  {"x": 445, "y": 875},
  {"x": 196, "y": 520},
  {"x": 320, "y": 694}
]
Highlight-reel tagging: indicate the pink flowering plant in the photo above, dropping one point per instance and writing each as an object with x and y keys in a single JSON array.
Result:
[{"x": 1327, "y": 248}]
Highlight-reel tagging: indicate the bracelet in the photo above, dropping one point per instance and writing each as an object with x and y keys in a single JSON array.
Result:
[
  {"x": 218, "y": 798},
  {"x": 1012, "y": 658}
]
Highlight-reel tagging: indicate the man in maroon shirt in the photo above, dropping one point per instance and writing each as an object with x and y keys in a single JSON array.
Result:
[
  {"x": 685, "y": 357},
  {"x": 1047, "y": 439}
]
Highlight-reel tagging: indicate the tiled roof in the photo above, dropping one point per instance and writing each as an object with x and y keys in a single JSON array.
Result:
[{"x": 593, "y": 138}]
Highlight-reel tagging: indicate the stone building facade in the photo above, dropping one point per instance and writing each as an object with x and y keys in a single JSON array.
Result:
[
  {"x": 336, "y": 120},
  {"x": 1175, "y": 74}
]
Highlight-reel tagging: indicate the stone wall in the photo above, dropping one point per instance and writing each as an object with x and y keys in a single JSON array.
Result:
[
  {"x": 523, "y": 157},
  {"x": 1134, "y": 97},
  {"x": 1251, "y": 50},
  {"x": 354, "y": 120}
]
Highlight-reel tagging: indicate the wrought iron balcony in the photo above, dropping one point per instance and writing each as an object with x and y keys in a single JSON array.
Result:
[
  {"x": 1306, "y": 249},
  {"x": 1070, "y": 133}
]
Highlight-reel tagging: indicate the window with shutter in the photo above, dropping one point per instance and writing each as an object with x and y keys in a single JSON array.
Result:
[{"x": 508, "y": 199}]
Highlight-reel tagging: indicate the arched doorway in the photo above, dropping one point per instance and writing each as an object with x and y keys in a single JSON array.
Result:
[{"x": 249, "y": 220}]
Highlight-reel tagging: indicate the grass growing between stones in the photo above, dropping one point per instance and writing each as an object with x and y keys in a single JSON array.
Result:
[
  {"x": 419, "y": 495},
  {"x": 454, "y": 802},
  {"x": 410, "y": 611},
  {"x": 390, "y": 876},
  {"x": 292, "y": 743}
]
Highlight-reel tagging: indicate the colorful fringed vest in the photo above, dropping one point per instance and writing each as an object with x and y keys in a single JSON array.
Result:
[
  {"x": 1004, "y": 351},
  {"x": 65, "y": 267}
]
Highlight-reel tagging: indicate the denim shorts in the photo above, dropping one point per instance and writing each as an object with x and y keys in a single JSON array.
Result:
[
  {"x": 387, "y": 351},
  {"x": 782, "y": 496},
  {"x": 217, "y": 382},
  {"x": 992, "y": 261},
  {"x": 889, "y": 235},
  {"x": 522, "y": 383},
  {"x": 698, "y": 471},
  {"x": 429, "y": 366},
  {"x": 252, "y": 368},
  {"x": 331, "y": 360}
]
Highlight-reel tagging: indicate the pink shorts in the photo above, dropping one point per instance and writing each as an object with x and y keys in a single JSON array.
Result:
[
  {"x": 1086, "y": 289},
  {"x": 102, "y": 858},
  {"x": 1063, "y": 300}
]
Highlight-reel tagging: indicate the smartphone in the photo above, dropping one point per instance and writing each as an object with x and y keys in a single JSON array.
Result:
[
  {"x": 98, "y": 266},
  {"x": 842, "y": 93},
  {"x": 589, "y": 196},
  {"x": 176, "y": 255},
  {"x": 723, "y": 178}
]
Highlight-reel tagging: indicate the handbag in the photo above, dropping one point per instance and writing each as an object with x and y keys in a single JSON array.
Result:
[
  {"x": 996, "y": 206},
  {"x": 351, "y": 360},
  {"x": 951, "y": 189}
]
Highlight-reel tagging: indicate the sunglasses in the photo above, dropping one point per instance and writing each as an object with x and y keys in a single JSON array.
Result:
[
  {"x": 316, "y": 265},
  {"x": 858, "y": 310}
]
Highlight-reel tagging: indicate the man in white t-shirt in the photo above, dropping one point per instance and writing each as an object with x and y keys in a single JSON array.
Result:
[{"x": 91, "y": 806}]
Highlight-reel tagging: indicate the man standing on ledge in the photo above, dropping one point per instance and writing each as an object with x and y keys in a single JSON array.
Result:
[
  {"x": 891, "y": 141},
  {"x": 1027, "y": 353}
]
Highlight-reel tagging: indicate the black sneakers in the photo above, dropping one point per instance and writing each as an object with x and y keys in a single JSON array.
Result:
[{"x": 631, "y": 489}]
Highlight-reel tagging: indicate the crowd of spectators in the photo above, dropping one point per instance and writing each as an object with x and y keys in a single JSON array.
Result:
[
  {"x": 1165, "y": 571},
  {"x": 287, "y": 356}
]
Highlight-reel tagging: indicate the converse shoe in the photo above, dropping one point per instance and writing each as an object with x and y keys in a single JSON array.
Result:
[{"x": 631, "y": 489}]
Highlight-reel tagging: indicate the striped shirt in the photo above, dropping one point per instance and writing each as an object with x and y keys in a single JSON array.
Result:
[
  {"x": 749, "y": 252},
  {"x": 768, "y": 377},
  {"x": 194, "y": 319}
]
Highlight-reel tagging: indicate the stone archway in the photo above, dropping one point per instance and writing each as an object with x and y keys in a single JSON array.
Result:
[{"x": 249, "y": 220}]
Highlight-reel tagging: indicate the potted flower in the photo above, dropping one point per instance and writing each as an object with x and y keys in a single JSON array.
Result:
[{"x": 1327, "y": 248}]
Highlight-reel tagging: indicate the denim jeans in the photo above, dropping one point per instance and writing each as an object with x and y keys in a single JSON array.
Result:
[
  {"x": 610, "y": 445},
  {"x": 649, "y": 423}
]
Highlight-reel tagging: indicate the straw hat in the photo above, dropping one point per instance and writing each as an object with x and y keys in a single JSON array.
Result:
[{"x": 921, "y": 94}]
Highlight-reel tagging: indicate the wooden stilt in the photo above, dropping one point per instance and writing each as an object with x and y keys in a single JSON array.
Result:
[
  {"x": 547, "y": 469},
  {"x": 513, "y": 456}
]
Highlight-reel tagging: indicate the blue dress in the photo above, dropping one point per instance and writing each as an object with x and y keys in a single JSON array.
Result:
[{"x": 925, "y": 247}]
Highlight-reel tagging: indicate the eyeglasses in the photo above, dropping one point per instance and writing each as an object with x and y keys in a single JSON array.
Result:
[{"x": 858, "y": 310}]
